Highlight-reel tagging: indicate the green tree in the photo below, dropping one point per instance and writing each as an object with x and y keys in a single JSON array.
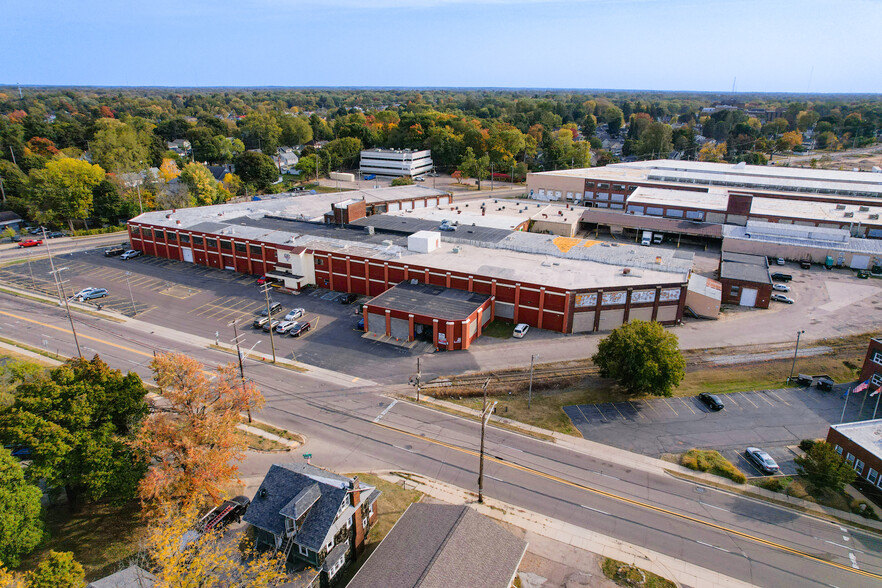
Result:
[
  {"x": 295, "y": 130},
  {"x": 475, "y": 167},
  {"x": 202, "y": 185},
  {"x": 642, "y": 357},
  {"x": 261, "y": 131},
  {"x": 341, "y": 153},
  {"x": 306, "y": 166},
  {"x": 403, "y": 181},
  {"x": 77, "y": 419},
  {"x": 21, "y": 528},
  {"x": 614, "y": 119},
  {"x": 57, "y": 570},
  {"x": 63, "y": 190},
  {"x": 656, "y": 138},
  {"x": 257, "y": 169},
  {"x": 824, "y": 468},
  {"x": 118, "y": 147}
]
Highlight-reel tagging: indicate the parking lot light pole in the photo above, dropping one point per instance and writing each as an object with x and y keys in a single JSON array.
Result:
[
  {"x": 269, "y": 317},
  {"x": 793, "y": 365},
  {"x": 134, "y": 311},
  {"x": 67, "y": 307}
]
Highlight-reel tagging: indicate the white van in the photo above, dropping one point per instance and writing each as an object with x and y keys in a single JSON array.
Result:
[
  {"x": 657, "y": 238},
  {"x": 647, "y": 238}
]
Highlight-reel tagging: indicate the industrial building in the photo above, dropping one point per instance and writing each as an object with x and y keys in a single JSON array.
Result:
[
  {"x": 396, "y": 162},
  {"x": 745, "y": 279},
  {"x": 860, "y": 445},
  {"x": 559, "y": 283}
]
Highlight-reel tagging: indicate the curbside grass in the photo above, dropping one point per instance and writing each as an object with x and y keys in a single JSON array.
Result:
[{"x": 712, "y": 462}]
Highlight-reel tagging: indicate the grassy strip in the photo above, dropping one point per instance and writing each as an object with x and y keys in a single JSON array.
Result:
[
  {"x": 36, "y": 350},
  {"x": 101, "y": 231},
  {"x": 627, "y": 575},
  {"x": 712, "y": 462},
  {"x": 498, "y": 330},
  {"x": 258, "y": 443},
  {"x": 53, "y": 303},
  {"x": 283, "y": 433},
  {"x": 799, "y": 487}
]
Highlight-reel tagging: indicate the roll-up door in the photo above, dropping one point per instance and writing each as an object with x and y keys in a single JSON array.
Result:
[
  {"x": 748, "y": 297},
  {"x": 583, "y": 322},
  {"x": 400, "y": 329},
  {"x": 376, "y": 323},
  {"x": 504, "y": 310},
  {"x": 860, "y": 261}
]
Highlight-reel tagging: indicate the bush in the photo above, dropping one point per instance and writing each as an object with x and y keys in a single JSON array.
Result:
[
  {"x": 712, "y": 462},
  {"x": 863, "y": 508},
  {"x": 629, "y": 575},
  {"x": 101, "y": 231},
  {"x": 403, "y": 181},
  {"x": 774, "y": 484},
  {"x": 806, "y": 444}
]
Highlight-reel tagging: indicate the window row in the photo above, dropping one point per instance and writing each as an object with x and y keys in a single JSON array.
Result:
[{"x": 159, "y": 236}]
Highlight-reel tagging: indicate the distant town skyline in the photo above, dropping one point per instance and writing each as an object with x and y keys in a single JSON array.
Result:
[{"x": 811, "y": 46}]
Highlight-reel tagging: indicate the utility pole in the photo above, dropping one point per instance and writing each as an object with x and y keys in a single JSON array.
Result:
[
  {"x": 418, "y": 379},
  {"x": 52, "y": 265},
  {"x": 2, "y": 191},
  {"x": 13, "y": 155},
  {"x": 269, "y": 317},
  {"x": 485, "y": 416},
  {"x": 67, "y": 307},
  {"x": 793, "y": 365},
  {"x": 530, "y": 396},
  {"x": 129, "y": 284},
  {"x": 140, "y": 204},
  {"x": 239, "y": 355}
]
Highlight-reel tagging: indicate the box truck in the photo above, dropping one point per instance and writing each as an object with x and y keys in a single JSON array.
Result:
[{"x": 647, "y": 238}]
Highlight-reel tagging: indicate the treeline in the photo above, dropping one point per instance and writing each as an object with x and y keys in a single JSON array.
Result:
[{"x": 118, "y": 134}]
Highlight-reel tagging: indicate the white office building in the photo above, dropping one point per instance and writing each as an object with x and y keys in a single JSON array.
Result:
[{"x": 396, "y": 162}]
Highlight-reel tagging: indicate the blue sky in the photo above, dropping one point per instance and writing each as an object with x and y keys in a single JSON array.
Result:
[{"x": 770, "y": 45}]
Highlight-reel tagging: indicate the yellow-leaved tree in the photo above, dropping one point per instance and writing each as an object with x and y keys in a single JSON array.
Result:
[
  {"x": 169, "y": 170},
  {"x": 712, "y": 152}
]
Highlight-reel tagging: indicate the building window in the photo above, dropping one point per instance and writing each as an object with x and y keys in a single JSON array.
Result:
[
  {"x": 349, "y": 522},
  {"x": 197, "y": 240},
  {"x": 330, "y": 544},
  {"x": 838, "y": 450},
  {"x": 136, "y": 230},
  {"x": 240, "y": 248},
  {"x": 336, "y": 567},
  {"x": 850, "y": 459},
  {"x": 876, "y": 379},
  {"x": 877, "y": 357},
  {"x": 859, "y": 467},
  {"x": 734, "y": 291},
  {"x": 211, "y": 242},
  {"x": 872, "y": 476},
  {"x": 303, "y": 551},
  {"x": 226, "y": 246},
  {"x": 256, "y": 251},
  {"x": 146, "y": 233},
  {"x": 364, "y": 523},
  {"x": 159, "y": 234},
  {"x": 319, "y": 261},
  {"x": 185, "y": 239}
]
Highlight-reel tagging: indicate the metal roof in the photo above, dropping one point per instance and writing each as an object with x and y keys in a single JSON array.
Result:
[
  {"x": 746, "y": 267},
  {"x": 439, "y": 302}
]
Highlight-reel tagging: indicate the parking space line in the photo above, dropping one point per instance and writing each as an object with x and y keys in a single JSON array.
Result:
[
  {"x": 665, "y": 400},
  {"x": 763, "y": 396},
  {"x": 579, "y": 408},
  {"x": 772, "y": 392},
  {"x": 638, "y": 411},
  {"x": 613, "y": 404},
  {"x": 683, "y": 400},
  {"x": 602, "y": 414},
  {"x": 748, "y": 399},
  {"x": 731, "y": 397}
]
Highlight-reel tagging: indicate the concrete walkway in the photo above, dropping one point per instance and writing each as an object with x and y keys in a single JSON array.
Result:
[
  {"x": 668, "y": 567},
  {"x": 267, "y": 435}
]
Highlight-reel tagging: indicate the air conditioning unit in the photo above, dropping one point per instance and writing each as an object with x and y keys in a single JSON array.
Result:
[
  {"x": 848, "y": 215},
  {"x": 871, "y": 217},
  {"x": 840, "y": 207},
  {"x": 864, "y": 208}
]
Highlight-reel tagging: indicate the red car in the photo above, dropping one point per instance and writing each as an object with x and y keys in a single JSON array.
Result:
[
  {"x": 261, "y": 280},
  {"x": 31, "y": 243}
]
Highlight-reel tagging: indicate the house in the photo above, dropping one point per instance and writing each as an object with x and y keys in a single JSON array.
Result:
[
  {"x": 130, "y": 577},
  {"x": 286, "y": 159},
  {"x": 439, "y": 545},
  {"x": 220, "y": 171},
  {"x": 9, "y": 219},
  {"x": 872, "y": 368},
  {"x": 179, "y": 146},
  {"x": 313, "y": 516}
]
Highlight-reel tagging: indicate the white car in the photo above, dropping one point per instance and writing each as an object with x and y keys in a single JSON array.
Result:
[
  {"x": 295, "y": 314},
  {"x": 763, "y": 460},
  {"x": 781, "y": 298},
  {"x": 780, "y": 287},
  {"x": 130, "y": 254},
  {"x": 285, "y": 326},
  {"x": 780, "y": 261},
  {"x": 520, "y": 330}
]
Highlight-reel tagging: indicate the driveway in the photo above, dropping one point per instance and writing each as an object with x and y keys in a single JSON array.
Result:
[{"x": 771, "y": 419}]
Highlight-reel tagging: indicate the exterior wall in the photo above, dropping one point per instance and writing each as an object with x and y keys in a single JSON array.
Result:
[
  {"x": 872, "y": 369},
  {"x": 563, "y": 229},
  {"x": 449, "y": 335},
  {"x": 538, "y": 306},
  {"x": 863, "y": 462},
  {"x": 538, "y": 187},
  {"x": 732, "y": 296},
  {"x": 794, "y": 252}
]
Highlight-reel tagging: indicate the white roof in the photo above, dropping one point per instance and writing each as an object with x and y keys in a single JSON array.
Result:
[
  {"x": 867, "y": 434},
  {"x": 714, "y": 199}
]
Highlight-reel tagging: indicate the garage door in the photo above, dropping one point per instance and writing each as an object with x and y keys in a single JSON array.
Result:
[
  {"x": 504, "y": 310},
  {"x": 399, "y": 328},
  {"x": 642, "y": 314},
  {"x": 610, "y": 319},
  {"x": 188, "y": 254},
  {"x": 748, "y": 297},
  {"x": 860, "y": 261},
  {"x": 583, "y": 322},
  {"x": 376, "y": 323}
]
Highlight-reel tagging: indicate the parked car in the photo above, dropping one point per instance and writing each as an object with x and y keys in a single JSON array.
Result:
[
  {"x": 780, "y": 261},
  {"x": 114, "y": 251},
  {"x": 224, "y": 514},
  {"x": 270, "y": 325},
  {"x": 805, "y": 264},
  {"x": 298, "y": 329},
  {"x": 712, "y": 401},
  {"x": 295, "y": 314},
  {"x": 259, "y": 322},
  {"x": 520, "y": 330},
  {"x": 780, "y": 287},
  {"x": 419, "y": 179},
  {"x": 360, "y": 324},
  {"x": 349, "y": 298},
  {"x": 275, "y": 308},
  {"x": 446, "y": 226},
  {"x": 285, "y": 326},
  {"x": 781, "y": 277},
  {"x": 82, "y": 292},
  {"x": 782, "y": 298},
  {"x": 55, "y": 235},
  {"x": 35, "y": 230},
  {"x": 31, "y": 243},
  {"x": 93, "y": 293},
  {"x": 763, "y": 460},
  {"x": 130, "y": 254},
  {"x": 863, "y": 274},
  {"x": 262, "y": 280},
  {"x": 15, "y": 239}
]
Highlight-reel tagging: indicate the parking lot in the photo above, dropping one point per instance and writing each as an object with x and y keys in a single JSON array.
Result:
[{"x": 773, "y": 420}]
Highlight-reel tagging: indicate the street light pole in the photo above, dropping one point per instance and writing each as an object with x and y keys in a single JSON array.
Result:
[
  {"x": 132, "y": 296},
  {"x": 793, "y": 365},
  {"x": 67, "y": 308},
  {"x": 485, "y": 416},
  {"x": 269, "y": 317}
]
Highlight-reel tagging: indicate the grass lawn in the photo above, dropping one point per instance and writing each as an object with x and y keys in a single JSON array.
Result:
[
  {"x": 627, "y": 575},
  {"x": 498, "y": 329},
  {"x": 102, "y": 537},
  {"x": 798, "y": 487},
  {"x": 391, "y": 504}
]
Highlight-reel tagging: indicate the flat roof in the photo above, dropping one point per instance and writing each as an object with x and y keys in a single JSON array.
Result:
[
  {"x": 390, "y": 223},
  {"x": 867, "y": 434},
  {"x": 436, "y": 301},
  {"x": 817, "y": 211},
  {"x": 714, "y": 199},
  {"x": 836, "y": 240},
  {"x": 746, "y": 267}
]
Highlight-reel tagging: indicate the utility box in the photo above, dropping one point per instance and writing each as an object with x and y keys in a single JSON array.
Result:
[
  {"x": 424, "y": 241},
  {"x": 343, "y": 177}
]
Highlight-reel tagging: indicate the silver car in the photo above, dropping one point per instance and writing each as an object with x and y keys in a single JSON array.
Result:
[
  {"x": 295, "y": 314},
  {"x": 284, "y": 326},
  {"x": 762, "y": 460}
]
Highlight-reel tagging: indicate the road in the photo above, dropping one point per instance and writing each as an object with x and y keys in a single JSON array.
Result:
[{"x": 351, "y": 429}]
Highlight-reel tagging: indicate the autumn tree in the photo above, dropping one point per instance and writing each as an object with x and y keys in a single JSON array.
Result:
[
  {"x": 202, "y": 185},
  {"x": 614, "y": 119},
  {"x": 21, "y": 528},
  {"x": 714, "y": 152},
  {"x": 63, "y": 190},
  {"x": 191, "y": 441},
  {"x": 642, "y": 357},
  {"x": 169, "y": 170},
  {"x": 788, "y": 141},
  {"x": 77, "y": 420},
  {"x": 180, "y": 558},
  {"x": 57, "y": 570}
]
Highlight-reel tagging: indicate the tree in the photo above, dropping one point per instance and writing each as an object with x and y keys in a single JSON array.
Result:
[
  {"x": 642, "y": 357},
  {"x": 475, "y": 167},
  {"x": 192, "y": 444},
  {"x": 306, "y": 166},
  {"x": 614, "y": 119},
  {"x": 295, "y": 130},
  {"x": 169, "y": 170},
  {"x": 21, "y": 528},
  {"x": 77, "y": 420},
  {"x": 341, "y": 153},
  {"x": 208, "y": 560},
  {"x": 714, "y": 152},
  {"x": 118, "y": 147},
  {"x": 402, "y": 181},
  {"x": 260, "y": 131},
  {"x": 656, "y": 138},
  {"x": 202, "y": 185},
  {"x": 788, "y": 141},
  {"x": 63, "y": 189},
  {"x": 824, "y": 468},
  {"x": 257, "y": 169},
  {"x": 57, "y": 570}
]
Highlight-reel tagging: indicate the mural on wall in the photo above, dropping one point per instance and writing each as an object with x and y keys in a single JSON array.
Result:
[
  {"x": 669, "y": 295},
  {"x": 612, "y": 298},
  {"x": 583, "y": 300},
  {"x": 641, "y": 296}
]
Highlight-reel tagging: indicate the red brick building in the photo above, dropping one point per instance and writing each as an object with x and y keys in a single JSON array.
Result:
[
  {"x": 872, "y": 368},
  {"x": 745, "y": 279},
  {"x": 860, "y": 445}
]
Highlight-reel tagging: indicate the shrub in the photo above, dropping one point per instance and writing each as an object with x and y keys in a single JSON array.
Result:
[
  {"x": 806, "y": 444},
  {"x": 712, "y": 462},
  {"x": 863, "y": 508},
  {"x": 403, "y": 181},
  {"x": 101, "y": 231},
  {"x": 774, "y": 484}
]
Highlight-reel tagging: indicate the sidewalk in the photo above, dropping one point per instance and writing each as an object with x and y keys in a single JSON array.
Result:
[{"x": 668, "y": 567}]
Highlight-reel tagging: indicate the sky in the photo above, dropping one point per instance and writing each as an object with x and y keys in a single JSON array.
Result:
[{"x": 758, "y": 46}]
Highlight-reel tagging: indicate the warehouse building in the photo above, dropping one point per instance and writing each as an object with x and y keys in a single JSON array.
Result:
[
  {"x": 396, "y": 162},
  {"x": 745, "y": 279},
  {"x": 550, "y": 282}
]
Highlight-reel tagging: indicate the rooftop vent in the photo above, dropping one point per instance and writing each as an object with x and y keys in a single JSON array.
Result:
[
  {"x": 864, "y": 208},
  {"x": 848, "y": 215},
  {"x": 871, "y": 217},
  {"x": 626, "y": 271},
  {"x": 840, "y": 207}
]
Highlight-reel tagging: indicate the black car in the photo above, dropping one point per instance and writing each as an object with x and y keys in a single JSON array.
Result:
[
  {"x": 114, "y": 251},
  {"x": 711, "y": 400},
  {"x": 780, "y": 277},
  {"x": 55, "y": 235},
  {"x": 275, "y": 308},
  {"x": 298, "y": 329},
  {"x": 349, "y": 298}
]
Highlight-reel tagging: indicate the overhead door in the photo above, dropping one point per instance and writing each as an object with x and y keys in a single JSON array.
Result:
[
  {"x": 376, "y": 323},
  {"x": 504, "y": 310},
  {"x": 187, "y": 254},
  {"x": 860, "y": 261},
  {"x": 748, "y": 297},
  {"x": 400, "y": 329},
  {"x": 583, "y": 322}
]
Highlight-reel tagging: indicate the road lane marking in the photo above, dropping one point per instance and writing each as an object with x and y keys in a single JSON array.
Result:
[
  {"x": 608, "y": 476},
  {"x": 712, "y": 506},
  {"x": 634, "y": 502},
  {"x": 492, "y": 478},
  {"x": 844, "y": 546},
  {"x": 853, "y": 561},
  {"x": 713, "y": 546},
  {"x": 595, "y": 509},
  {"x": 404, "y": 449},
  {"x": 385, "y": 410}
]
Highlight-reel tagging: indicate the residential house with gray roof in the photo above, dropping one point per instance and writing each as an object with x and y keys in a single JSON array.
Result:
[{"x": 312, "y": 516}]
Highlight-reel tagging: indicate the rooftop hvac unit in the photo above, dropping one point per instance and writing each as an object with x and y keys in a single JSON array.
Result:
[
  {"x": 871, "y": 217},
  {"x": 414, "y": 282},
  {"x": 864, "y": 208},
  {"x": 840, "y": 207},
  {"x": 849, "y": 215}
]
